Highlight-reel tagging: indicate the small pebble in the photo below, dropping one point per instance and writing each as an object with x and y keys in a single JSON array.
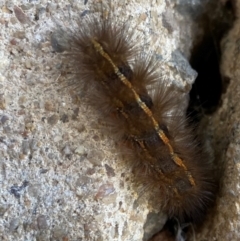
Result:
[
  {"x": 42, "y": 222},
  {"x": 14, "y": 224},
  {"x": 52, "y": 120}
]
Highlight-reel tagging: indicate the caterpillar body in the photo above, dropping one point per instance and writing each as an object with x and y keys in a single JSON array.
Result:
[{"x": 125, "y": 86}]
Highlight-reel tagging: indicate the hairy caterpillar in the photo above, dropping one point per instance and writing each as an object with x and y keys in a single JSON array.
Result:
[{"x": 126, "y": 88}]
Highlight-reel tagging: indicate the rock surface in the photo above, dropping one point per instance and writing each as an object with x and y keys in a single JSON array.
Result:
[
  {"x": 60, "y": 178},
  {"x": 223, "y": 223}
]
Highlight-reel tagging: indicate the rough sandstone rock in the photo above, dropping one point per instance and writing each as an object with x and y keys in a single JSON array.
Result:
[{"x": 60, "y": 178}]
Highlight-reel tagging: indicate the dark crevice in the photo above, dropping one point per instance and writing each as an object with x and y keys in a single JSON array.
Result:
[{"x": 206, "y": 92}]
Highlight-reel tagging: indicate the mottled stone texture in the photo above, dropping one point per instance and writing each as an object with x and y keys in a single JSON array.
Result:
[
  {"x": 60, "y": 177},
  {"x": 224, "y": 222}
]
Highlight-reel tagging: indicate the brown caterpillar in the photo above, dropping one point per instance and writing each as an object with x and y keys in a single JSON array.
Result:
[{"x": 126, "y": 88}]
